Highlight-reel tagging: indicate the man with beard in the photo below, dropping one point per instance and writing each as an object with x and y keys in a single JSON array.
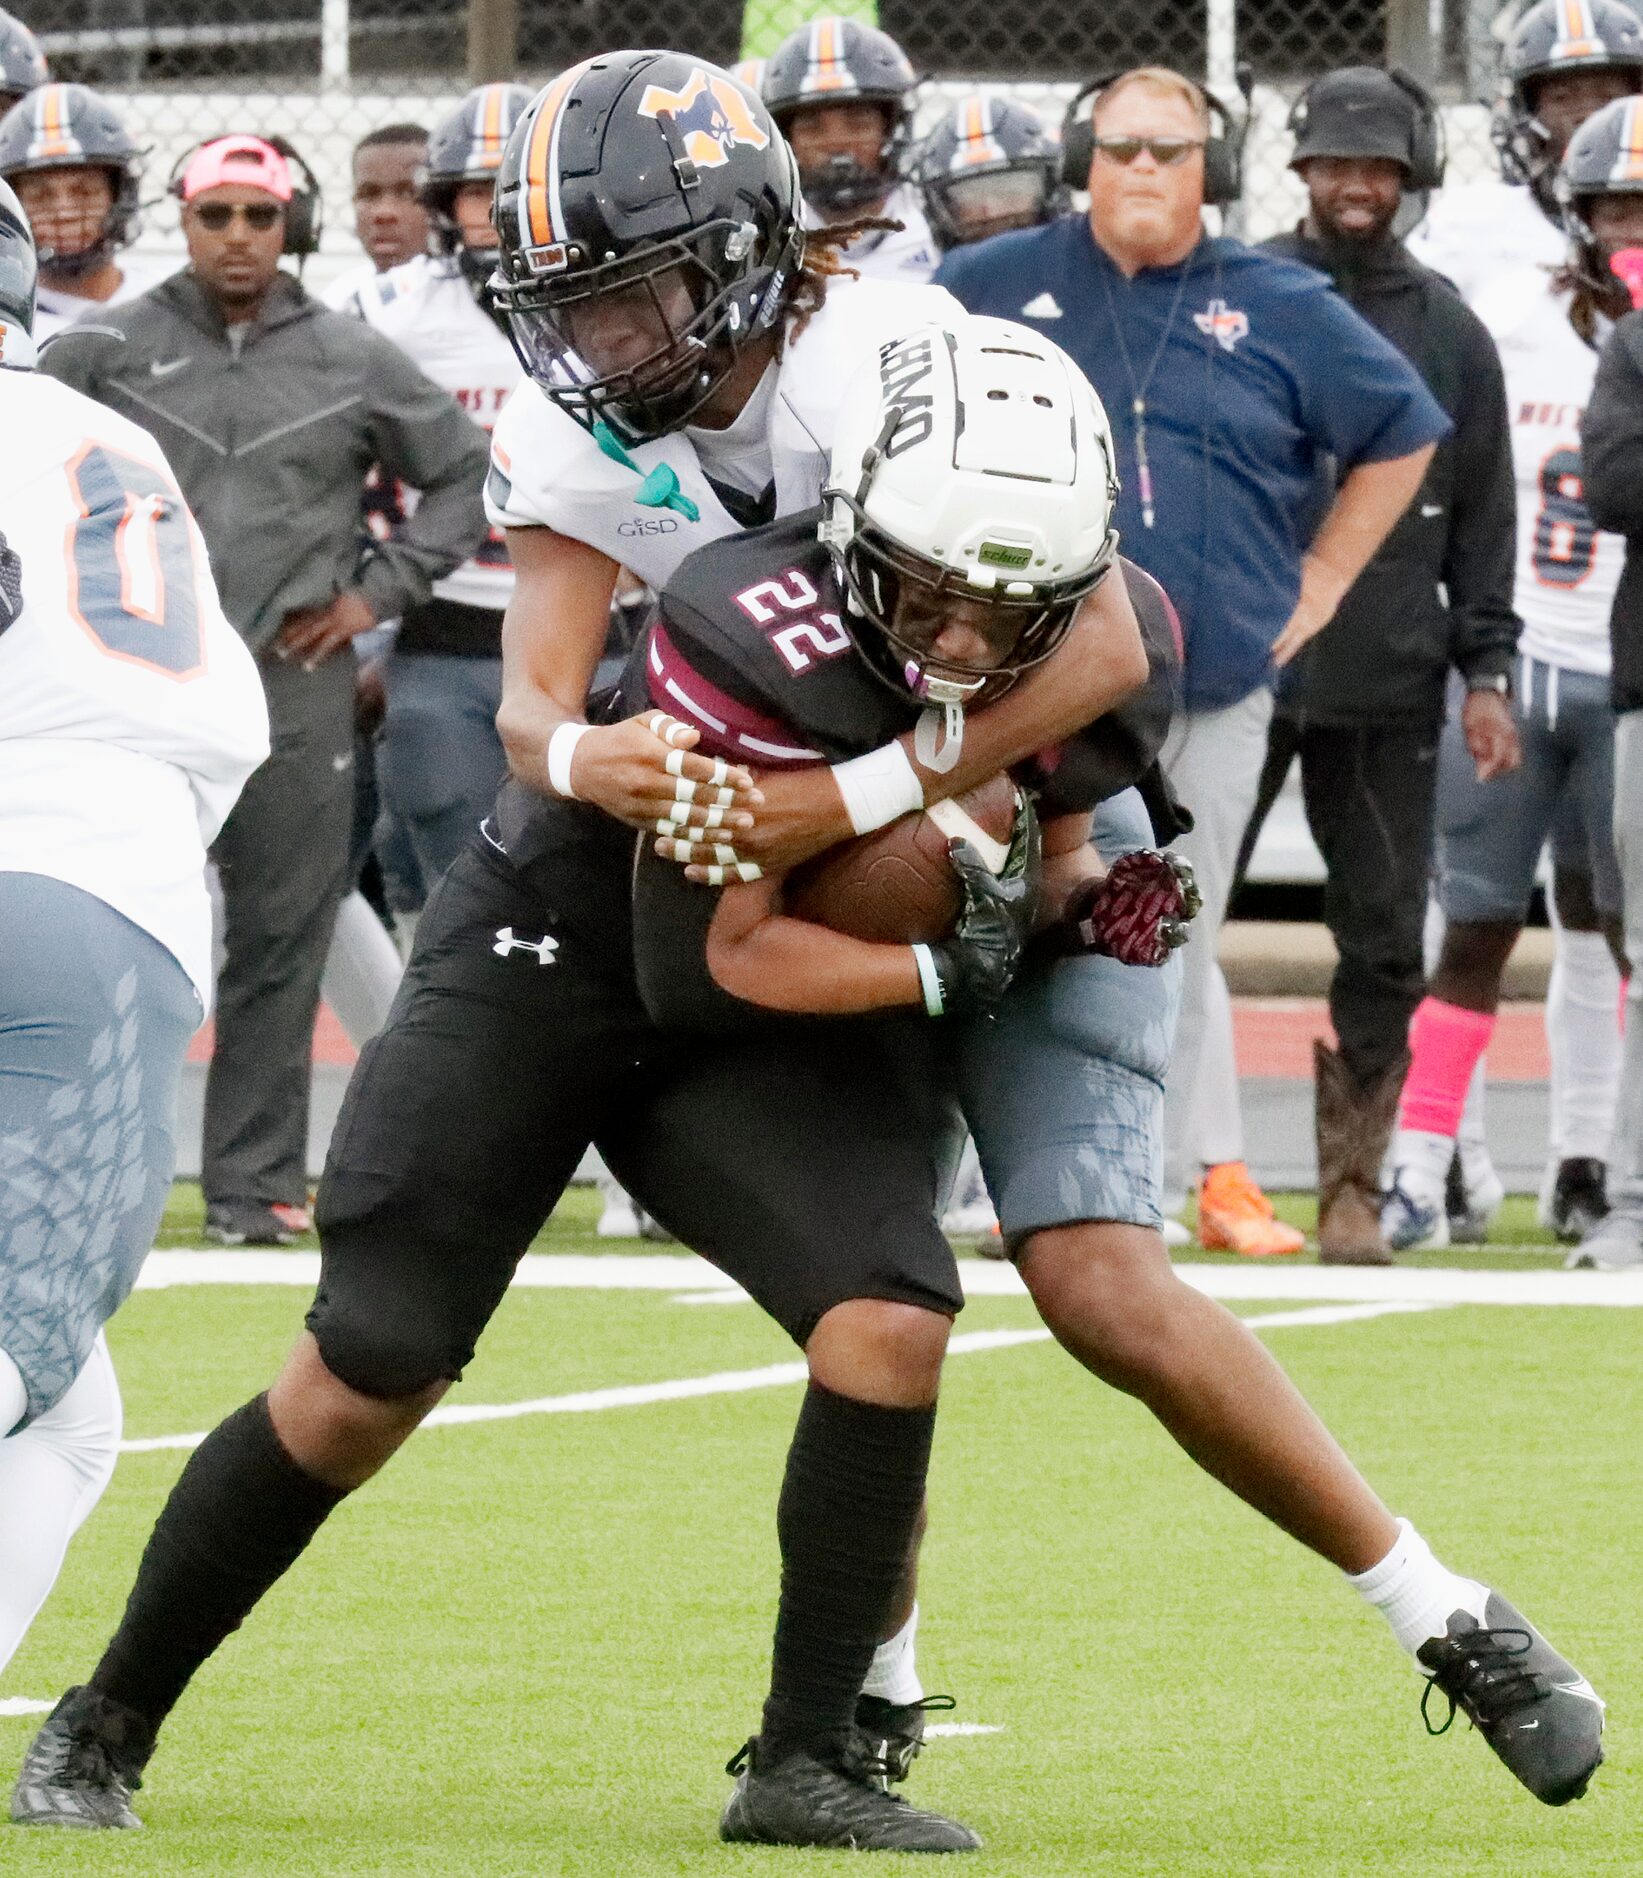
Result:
[{"x": 1364, "y": 702}]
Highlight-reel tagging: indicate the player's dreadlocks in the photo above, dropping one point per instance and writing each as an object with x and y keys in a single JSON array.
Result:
[
  {"x": 824, "y": 262},
  {"x": 1591, "y": 298}
]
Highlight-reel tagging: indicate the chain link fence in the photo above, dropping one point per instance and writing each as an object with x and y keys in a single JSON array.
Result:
[{"x": 323, "y": 72}]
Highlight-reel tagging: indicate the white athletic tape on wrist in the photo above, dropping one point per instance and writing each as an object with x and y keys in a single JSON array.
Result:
[
  {"x": 956, "y": 825},
  {"x": 878, "y": 787},
  {"x": 930, "y": 979},
  {"x": 561, "y": 748}
]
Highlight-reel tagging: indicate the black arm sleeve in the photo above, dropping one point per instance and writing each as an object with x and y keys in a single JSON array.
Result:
[
  {"x": 1480, "y": 554},
  {"x": 1611, "y": 439}
]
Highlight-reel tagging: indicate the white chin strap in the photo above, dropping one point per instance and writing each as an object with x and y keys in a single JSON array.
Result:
[{"x": 938, "y": 738}]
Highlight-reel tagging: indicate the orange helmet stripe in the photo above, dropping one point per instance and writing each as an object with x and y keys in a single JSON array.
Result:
[
  {"x": 1630, "y": 167},
  {"x": 538, "y": 206},
  {"x": 51, "y": 121}
]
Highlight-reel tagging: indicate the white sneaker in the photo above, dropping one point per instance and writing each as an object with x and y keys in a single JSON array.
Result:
[
  {"x": 1413, "y": 1218},
  {"x": 620, "y": 1219},
  {"x": 1473, "y": 1200},
  {"x": 1175, "y": 1233}
]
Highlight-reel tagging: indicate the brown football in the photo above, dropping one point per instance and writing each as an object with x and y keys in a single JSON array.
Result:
[{"x": 896, "y": 886}]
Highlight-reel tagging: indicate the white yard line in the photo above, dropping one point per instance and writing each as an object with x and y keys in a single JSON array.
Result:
[
  {"x": 771, "y": 1376},
  {"x": 21, "y": 1705},
  {"x": 687, "y": 1276}
]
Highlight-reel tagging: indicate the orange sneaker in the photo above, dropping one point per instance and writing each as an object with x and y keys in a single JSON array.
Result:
[{"x": 1235, "y": 1216}]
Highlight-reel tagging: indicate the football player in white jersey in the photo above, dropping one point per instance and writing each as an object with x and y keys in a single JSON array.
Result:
[
  {"x": 842, "y": 93},
  {"x": 439, "y": 758},
  {"x": 1565, "y": 59},
  {"x": 130, "y": 716},
  {"x": 77, "y": 171},
  {"x": 1490, "y": 834}
]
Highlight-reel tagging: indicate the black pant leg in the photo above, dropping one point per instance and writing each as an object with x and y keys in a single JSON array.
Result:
[
  {"x": 1283, "y": 739},
  {"x": 1369, "y": 794}
]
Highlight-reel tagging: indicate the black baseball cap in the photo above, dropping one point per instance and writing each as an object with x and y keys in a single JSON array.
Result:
[{"x": 1359, "y": 111}]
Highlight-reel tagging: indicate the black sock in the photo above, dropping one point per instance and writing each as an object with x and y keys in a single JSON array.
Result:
[
  {"x": 239, "y": 1516},
  {"x": 848, "y": 1512}
]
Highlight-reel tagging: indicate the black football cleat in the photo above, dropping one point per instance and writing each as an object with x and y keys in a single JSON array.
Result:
[
  {"x": 894, "y": 1731},
  {"x": 83, "y": 1766},
  {"x": 1579, "y": 1200},
  {"x": 830, "y": 1796},
  {"x": 1538, "y": 1713}
]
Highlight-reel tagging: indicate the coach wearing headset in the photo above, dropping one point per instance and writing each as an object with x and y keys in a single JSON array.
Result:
[
  {"x": 272, "y": 409},
  {"x": 1232, "y": 379},
  {"x": 1363, "y": 705}
]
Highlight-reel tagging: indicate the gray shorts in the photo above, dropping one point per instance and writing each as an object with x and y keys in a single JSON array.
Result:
[
  {"x": 1063, "y": 1087},
  {"x": 1490, "y": 834},
  {"x": 95, "y": 1018}
]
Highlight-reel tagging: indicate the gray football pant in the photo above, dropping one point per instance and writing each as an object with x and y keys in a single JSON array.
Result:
[
  {"x": 95, "y": 1018},
  {"x": 440, "y": 761},
  {"x": 1626, "y": 1150}
]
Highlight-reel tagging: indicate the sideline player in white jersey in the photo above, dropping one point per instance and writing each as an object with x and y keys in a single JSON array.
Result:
[
  {"x": 1490, "y": 834},
  {"x": 77, "y": 171},
  {"x": 130, "y": 716},
  {"x": 1564, "y": 60},
  {"x": 842, "y": 94},
  {"x": 439, "y": 759}
]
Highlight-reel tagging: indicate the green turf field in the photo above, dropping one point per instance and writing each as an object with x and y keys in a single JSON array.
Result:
[{"x": 529, "y": 1647}]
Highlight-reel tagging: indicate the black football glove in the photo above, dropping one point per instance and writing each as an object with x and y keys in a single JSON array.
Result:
[
  {"x": 976, "y": 965},
  {"x": 1138, "y": 914}
]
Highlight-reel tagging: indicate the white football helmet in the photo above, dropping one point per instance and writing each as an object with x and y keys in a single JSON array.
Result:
[{"x": 972, "y": 462}]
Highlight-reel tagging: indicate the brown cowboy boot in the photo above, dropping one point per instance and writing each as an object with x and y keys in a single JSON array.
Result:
[{"x": 1354, "y": 1127}]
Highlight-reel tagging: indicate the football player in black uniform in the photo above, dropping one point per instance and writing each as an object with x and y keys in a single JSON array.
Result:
[{"x": 818, "y": 636}]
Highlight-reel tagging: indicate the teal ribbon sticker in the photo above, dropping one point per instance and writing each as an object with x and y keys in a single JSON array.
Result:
[{"x": 658, "y": 488}]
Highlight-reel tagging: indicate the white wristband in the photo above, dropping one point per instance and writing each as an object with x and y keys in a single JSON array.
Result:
[
  {"x": 561, "y": 748},
  {"x": 930, "y": 979},
  {"x": 878, "y": 787}
]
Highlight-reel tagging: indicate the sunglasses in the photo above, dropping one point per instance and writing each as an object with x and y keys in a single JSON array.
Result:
[
  {"x": 217, "y": 215},
  {"x": 1164, "y": 151}
]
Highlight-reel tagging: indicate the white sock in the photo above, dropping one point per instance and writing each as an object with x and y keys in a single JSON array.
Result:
[
  {"x": 894, "y": 1674},
  {"x": 1415, "y": 1592},
  {"x": 1422, "y": 1159},
  {"x": 1583, "y": 1040},
  {"x": 52, "y": 1474}
]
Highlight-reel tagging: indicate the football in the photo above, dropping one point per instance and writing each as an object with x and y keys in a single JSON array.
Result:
[{"x": 896, "y": 886}]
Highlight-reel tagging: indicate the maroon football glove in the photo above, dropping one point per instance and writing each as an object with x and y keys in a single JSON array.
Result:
[{"x": 1138, "y": 914}]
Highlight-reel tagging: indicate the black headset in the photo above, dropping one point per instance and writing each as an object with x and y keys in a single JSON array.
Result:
[
  {"x": 1223, "y": 153},
  {"x": 1428, "y": 146},
  {"x": 304, "y": 213}
]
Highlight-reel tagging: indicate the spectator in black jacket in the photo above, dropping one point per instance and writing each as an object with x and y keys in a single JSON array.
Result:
[
  {"x": 1364, "y": 702},
  {"x": 1611, "y": 454}
]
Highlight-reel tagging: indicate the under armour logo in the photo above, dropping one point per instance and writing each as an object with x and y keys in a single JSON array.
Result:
[{"x": 544, "y": 948}]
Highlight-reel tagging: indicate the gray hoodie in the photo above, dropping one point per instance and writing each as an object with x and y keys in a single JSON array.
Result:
[{"x": 272, "y": 440}]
